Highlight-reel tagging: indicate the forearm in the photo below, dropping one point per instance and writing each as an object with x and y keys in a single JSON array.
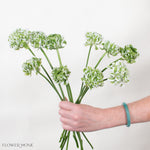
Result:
[
  {"x": 112, "y": 117},
  {"x": 140, "y": 110},
  {"x": 116, "y": 116}
]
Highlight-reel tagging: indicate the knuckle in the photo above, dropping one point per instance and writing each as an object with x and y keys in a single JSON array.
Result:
[
  {"x": 64, "y": 127},
  {"x": 76, "y": 117},
  {"x": 75, "y": 124}
]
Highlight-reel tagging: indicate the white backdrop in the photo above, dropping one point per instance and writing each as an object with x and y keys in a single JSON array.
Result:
[{"x": 29, "y": 107}]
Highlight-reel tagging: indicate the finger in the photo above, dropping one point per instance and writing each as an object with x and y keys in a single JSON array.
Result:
[
  {"x": 65, "y": 113},
  {"x": 66, "y": 127},
  {"x": 66, "y": 105},
  {"x": 66, "y": 99},
  {"x": 66, "y": 121},
  {"x": 70, "y": 128}
]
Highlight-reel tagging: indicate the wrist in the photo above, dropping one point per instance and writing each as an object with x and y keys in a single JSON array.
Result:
[{"x": 111, "y": 117}]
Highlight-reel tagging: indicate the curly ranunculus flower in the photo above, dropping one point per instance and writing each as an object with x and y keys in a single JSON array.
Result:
[
  {"x": 119, "y": 74},
  {"x": 61, "y": 74},
  {"x": 37, "y": 39},
  {"x": 19, "y": 39},
  {"x": 129, "y": 53},
  {"x": 55, "y": 41},
  {"x": 93, "y": 38},
  {"x": 27, "y": 68},
  {"x": 32, "y": 64},
  {"x": 110, "y": 48},
  {"x": 92, "y": 77}
]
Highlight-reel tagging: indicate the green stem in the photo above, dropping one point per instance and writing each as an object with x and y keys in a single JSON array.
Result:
[
  {"x": 75, "y": 138},
  {"x": 88, "y": 55},
  {"x": 62, "y": 136},
  {"x": 100, "y": 60},
  {"x": 85, "y": 91},
  {"x": 112, "y": 63},
  {"x": 69, "y": 93},
  {"x": 31, "y": 51},
  {"x": 52, "y": 69},
  {"x": 81, "y": 89},
  {"x": 46, "y": 58},
  {"x": 50, "y": 84},
  {"x": 80, "y": 140},
  {"x": 87, "y": 140},
  {"x": 58, "y": 54},
  {"x": 51, "y": 81},
  {"x": 68, "y": 140},
  {"x": 60, "y": 62},
  {"x": 62, "y": 91},
  {"x": 64, "y": 140}
]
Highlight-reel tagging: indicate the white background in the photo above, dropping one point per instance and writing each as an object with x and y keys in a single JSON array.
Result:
[{"x": 29, "y": 107}]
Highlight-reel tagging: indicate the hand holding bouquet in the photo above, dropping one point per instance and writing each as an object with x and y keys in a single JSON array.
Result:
[{"x": 58, "y": 79}]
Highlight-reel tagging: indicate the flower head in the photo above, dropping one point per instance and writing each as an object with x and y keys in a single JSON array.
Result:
[
  {"x": 129, "y": 53},
  {"x": 92, "y": 77},
  {"x": 55, "y": 41},
  {"x": 119, "y": 74},
  {"x": 19, "y": 39},
  {"x": 93, "y": 38},
  {"x": 37, "y": 39},
  {"x": 27, "y": 68},
  {"x": 32, "y": 64},
  {"x": 61, "y": 74},
  {"x": 110, "y": 48}
]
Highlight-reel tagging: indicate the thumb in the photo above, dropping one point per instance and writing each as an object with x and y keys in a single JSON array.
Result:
[{"x": 66, "y": 98}]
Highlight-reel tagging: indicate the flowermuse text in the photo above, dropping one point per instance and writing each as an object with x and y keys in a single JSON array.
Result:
[
  {"x": 17, "y": 145},
  {"x": 93, "y": 76}
]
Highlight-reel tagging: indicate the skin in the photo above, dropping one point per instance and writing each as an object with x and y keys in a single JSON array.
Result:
[{"x": 81, "y": 117}]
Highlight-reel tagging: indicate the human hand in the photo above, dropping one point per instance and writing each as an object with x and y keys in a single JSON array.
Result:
[{"x": 80, "y": 117}]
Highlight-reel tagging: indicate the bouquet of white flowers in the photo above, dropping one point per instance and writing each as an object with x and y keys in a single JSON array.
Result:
[{"x": 92, "y": 76}]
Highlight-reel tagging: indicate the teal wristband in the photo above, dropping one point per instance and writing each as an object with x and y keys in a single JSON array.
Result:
[{"x": 127, "y": 114}]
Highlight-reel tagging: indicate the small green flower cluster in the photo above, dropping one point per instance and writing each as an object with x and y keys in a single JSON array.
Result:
[
  {"x": 22, "y": 38},
  {"x": 32, "y": 64},
  {"x": 61, "y": 74},
  {"x": 119, "y": 74},
  {"x": 93, "y": 38},
  {"x": 55, "y": 41},
  {"x": 37, "y": 39},
  {"x": 92, "y": 77},
  {"x": 110, "y": 48},
  {"x": 19, "y": 39},
  {"x": 129, "y": 53}
]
